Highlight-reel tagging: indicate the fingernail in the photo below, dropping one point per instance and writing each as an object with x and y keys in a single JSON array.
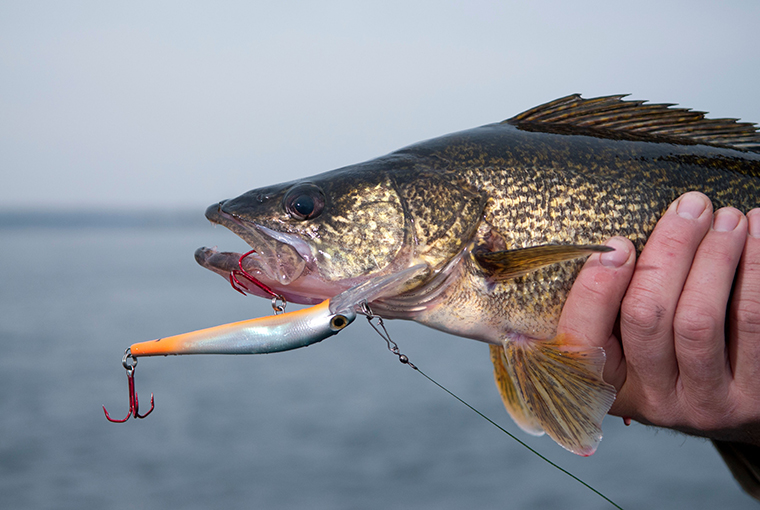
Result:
[
  {"x": 753, "y": 217},
  {"x": 691, "y": 205},
  {"x": 618, "y": 257},
  {"x": 726, "y": 220}
]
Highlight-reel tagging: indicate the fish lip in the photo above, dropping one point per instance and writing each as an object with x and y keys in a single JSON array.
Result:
[
  {"x": 308, "y": 289},
  {"x": 214, "y": 211},
  {"x": 216, "y": 214}
]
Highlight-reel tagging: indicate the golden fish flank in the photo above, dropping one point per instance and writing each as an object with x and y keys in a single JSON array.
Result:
[{"x": 502, "y": 217}]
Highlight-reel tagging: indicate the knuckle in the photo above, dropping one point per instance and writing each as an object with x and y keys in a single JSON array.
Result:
[
  {"x": 696, "y": 324},
  {"x": 745, "y": 316},
  {"x": 643, "y": 314}
]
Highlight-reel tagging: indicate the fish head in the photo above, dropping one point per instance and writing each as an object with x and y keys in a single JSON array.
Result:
[
  {"x": 313, "y": 238},
  {"x": 316, "y": 237}
]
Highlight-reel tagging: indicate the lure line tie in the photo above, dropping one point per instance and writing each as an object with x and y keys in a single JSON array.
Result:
[{"x": 392, "y": 346}]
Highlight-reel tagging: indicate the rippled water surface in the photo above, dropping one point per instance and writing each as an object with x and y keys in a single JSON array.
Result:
[{"x": 338, "y": 425}]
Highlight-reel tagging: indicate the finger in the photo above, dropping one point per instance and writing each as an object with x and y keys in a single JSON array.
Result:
[
  {"x": 699, "y": 322},
  {"x": 592, "y": 306},
  {"x": 744, "y": 315},
  {"x": 646, "y": 321}
]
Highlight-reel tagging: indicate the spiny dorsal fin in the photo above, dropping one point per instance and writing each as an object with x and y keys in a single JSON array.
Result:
[{"x": 640, "y": 120}]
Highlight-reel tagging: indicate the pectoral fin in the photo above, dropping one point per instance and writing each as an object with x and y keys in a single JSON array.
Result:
[
  {"x": 558, "y": 387},
  {"x": 503, "y": 265}
]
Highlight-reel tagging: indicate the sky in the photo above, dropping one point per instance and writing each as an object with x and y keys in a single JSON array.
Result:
[{"x": 176, "y": 105}]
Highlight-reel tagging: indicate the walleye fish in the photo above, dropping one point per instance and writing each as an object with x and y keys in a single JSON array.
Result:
[{"x": 500, "y": 218}]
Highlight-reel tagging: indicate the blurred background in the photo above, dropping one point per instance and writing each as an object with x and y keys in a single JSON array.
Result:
[{"x": 119, "y": 124}]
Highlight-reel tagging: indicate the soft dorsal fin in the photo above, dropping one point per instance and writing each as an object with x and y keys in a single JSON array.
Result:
[{"x": 639, "y": 121}]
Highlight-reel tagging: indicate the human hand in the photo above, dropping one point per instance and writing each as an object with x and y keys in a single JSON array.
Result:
[{"x": 682, "y": 340}]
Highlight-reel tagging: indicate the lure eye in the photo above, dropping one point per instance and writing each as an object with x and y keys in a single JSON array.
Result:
[
  {"x": 338, "y": 322},
  {"x": 304, "y": 202}
]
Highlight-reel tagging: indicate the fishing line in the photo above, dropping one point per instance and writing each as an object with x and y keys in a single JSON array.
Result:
[{"x": 393, "y": 347}]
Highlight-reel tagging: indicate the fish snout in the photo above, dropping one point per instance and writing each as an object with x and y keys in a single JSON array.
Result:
[
  {"x": 249, "y": 207},
  {"x": 214, "y": 212}
]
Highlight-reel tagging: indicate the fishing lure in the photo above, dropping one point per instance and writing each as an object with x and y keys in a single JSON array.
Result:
[{"x": 273, "y": 333}]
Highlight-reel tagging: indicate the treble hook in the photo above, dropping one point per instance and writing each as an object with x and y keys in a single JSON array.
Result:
[
  {"x": 278, "y": 301},
  {"x": 134, "y": 404}
]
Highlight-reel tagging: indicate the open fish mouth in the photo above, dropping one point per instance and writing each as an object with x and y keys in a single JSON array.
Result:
[
  {"x": 280, "y": 257},
  {"x": 282, "y": 262}
]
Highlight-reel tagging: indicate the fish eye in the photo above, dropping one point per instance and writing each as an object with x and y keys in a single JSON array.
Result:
[{"x": 304, "y": 202}]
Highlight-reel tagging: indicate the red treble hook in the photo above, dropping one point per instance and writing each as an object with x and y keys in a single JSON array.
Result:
[
  {"x": 134, "y": 404},
  {"x": 245, "y": 274}
]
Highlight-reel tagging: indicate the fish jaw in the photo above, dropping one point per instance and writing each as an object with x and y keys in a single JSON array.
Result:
[
  {"x": 280, "y": 257},
  {"x": 307, "y": 289},
  {"x": 282, "y": 261}
]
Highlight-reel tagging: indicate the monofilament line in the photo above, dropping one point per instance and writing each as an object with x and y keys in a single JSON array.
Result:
[
  {"x": 489, "y": 420},
  {"x": 393, "y": 347}
]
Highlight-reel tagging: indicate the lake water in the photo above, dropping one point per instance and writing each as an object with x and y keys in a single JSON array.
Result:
[{"x": 339, "y": 425}]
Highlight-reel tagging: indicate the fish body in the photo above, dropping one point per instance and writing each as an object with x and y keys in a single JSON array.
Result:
[{"x": 500, "y": 217}]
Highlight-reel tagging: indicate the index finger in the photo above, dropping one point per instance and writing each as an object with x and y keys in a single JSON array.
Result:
[{"x": 592, "y": 306}]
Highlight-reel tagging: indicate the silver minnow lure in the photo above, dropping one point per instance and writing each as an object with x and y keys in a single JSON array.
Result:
[
  {"x": 263, "y": 335},
  {"x": 276, "y": 333}
]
